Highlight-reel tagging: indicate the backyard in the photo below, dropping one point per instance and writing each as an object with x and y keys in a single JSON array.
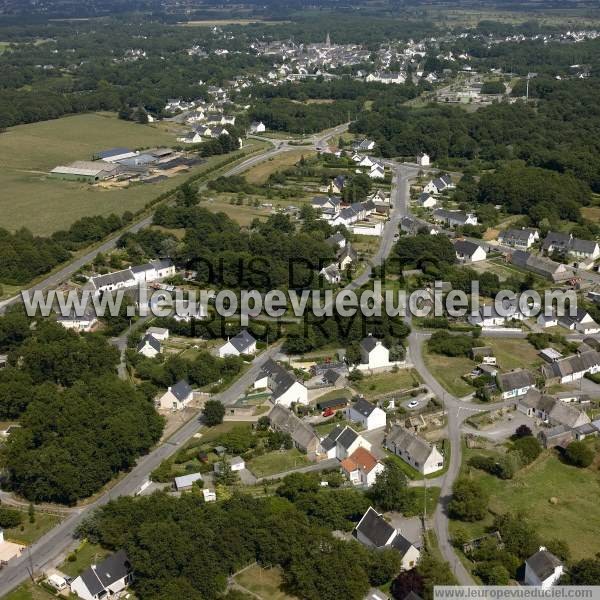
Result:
[
  {"x": 559, "y": 500},
  {"x": 513, "y": 353},
  {"x": 377, "y": 385},
  {"x": 448, "y": 371},
  {"x": 280, "y": 461}
]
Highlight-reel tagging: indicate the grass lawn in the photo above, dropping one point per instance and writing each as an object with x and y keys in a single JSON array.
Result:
[
  {"x": 591, "y": 212},
  {"x": 277, "y": 462},
  {"x": 429, "y": 499},
  {"x": 27, "y": 152},
  {"x": 513, "y": 353},
  {"x": 87, "y": 554},
  {"x": 265, "y": 583},
  {"x": 242, "y": 215},
  {"x": 342, "y": 393},
  {"x": 260, "y": 173},
  {"x": 27, "y": 533},
  {"x": 448, "y": 371},
  {"x": 375, "y": 385},
  {"x": 29, "y": 591},
  {"x": 575, "y": 518}
]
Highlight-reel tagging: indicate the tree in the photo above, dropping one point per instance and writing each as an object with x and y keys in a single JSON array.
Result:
[
  {"x": 390, "y": 490},
  {"x": 225, "y": 475},
  {"x": 519, "y": 536},
  {"x": 492, "y": 573},
  {"x": 579, "y": 454},
  {"x": 469, "y": 500},
  {"x": 583, "y": 572},
  {"x": 406, "y": 582},
  {"x": 528, "y": 447},
  {"x": 523, "y": 431},
  {"x": 10, "y": 518},
  {"x": 213, "y": 413}
]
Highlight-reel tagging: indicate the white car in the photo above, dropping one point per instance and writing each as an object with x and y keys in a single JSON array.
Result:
[{"x": 413, "y": 404}]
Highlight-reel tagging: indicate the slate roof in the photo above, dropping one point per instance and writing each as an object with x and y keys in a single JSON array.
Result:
[
  {"x": 516, "y": 235},
  {"x": 465, "y": 247},
  {"x": 280, "y": 379},
  {"x": 335, "y": 239},
  {"x": 375, "y": 528},
  {"x": 519, "y": 378},
  {"x": 181, "y": 390},
  {"x": 151, "y": 340},
  {"x": 112, "y": 569},
  {"x": 112, "y": 278},
  {"x": 347, "y": 438},
  {"x": 572, "y": 364},
  {"x": 364, "y": 407},
  {"x": 401, "y": 544},
  {"x": 543, "y": 563},
  {"x": 418, "y": 449},
  {"x": 285, "y": 420},
  {"x": 369, "y": 343},
  {"x": 242, "y": 341}
]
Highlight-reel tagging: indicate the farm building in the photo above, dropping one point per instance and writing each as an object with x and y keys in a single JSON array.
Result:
[{"x": 84, "y": 170}]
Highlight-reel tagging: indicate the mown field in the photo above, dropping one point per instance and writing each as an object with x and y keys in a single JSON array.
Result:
[{"x": 27, "y": 152}]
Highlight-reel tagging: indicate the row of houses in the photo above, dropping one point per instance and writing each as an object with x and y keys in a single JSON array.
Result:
[{"x": 154, "y": 270}]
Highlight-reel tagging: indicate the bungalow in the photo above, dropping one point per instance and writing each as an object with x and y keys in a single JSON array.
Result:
[
  {"x": 362, "y": 468},
  {"x": 426, "y": 200},
  {"x": 373, "y": 353},
  {"x": 185, "y": 482},
  {"x": 469, "y": 252},
  {"x": 572, "y": 368},
  {"x": 374, "y": 531},
  {"x": 582, "y": 322},
  {"x": 149, "y": 346},
  {"x": 105, "y": 580},
  {"x": 242, "y": 343},
  {"x": 413, "y": 450},
  {"x": 85, "y": 322},
  {"x": 521, "y": 239},
  {"x": 454, "y": 218},
  {"x": 286, "y": 389},
  {"x": 515, "y": 383},
  {"x": 303, "y": 436},
  {"x": 367, "y": 414},
  {"x": 543, "y": 569},
  {"x": 437, "y": 186},
  {"x": 177, "y": 397}
]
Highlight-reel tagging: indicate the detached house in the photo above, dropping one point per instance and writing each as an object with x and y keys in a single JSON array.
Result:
[
  {"x": 303, "y": 436},
  {"x": 469, "y": 252},
  {"x": 373, "y": 353},
  {"x": 105, "y": 580},
  {"x": 177, "y": 397},
  {"x": 362, "y": 468},
  {"x": 565, "y": 243},
  {"x": 426, "y": 200},
  {"x": 374, "y": 531},
  {"x": 423, "y": 160},
  {"x": 516, "y": 383},
  {"x": 149, "y": 346},
  {"x": 582, "y": 322},
  {"x": 454, "y": 218},
  {"x": 342, "y": 442},
  {"x": 367, "y": 414},
  {"x": 414, "y": 450},
  {"x": 286, "y": 389},
  {"x": 543, "y": 569},
  {"x": 242, "y": 343},
  {"x": 521, "y": 239}
]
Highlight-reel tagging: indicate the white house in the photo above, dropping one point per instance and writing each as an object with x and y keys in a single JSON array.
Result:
[
  {"x": 373, "y": 353},
  {"x": 469, "y": 252},
  {"x": 426, "y": 200},
  {"x": 522, "y": 239},
  {"x": 374, "y": 531},
  {"x": 286, "y": 389},
  {"x": 149, "y": 346},
  {"x": 543, "y": 569},
  {"x": 342, "y": 442},
  {"x": 547, "y": 320},
  {"x": 177, "y": 396},
  {"x": 209, "y": 495},
  {"x": 515, "y": 383},
  {"x": 105, "y": 580},
  {"x": 423, "y": 159},
  {"x": 413, "y": 450},
  {"x": 377, "y": 172},
  {"x": 331, "y": 274},
  {"x": 160, "y": 333},
  {"x": 257, "y": 127},
  {"x": 572, "y": 368},
  {"x": 454, "y": 218},
  {"x": 84, "y": 323},
  {"x": 582, "y": 322},
  {"x": 362, "y": 468},
  {"x": 242, "y": 343},
  {"x": 367, "y": 414}
]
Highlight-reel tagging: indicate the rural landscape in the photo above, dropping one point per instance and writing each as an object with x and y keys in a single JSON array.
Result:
[{"x": 299, "y": 301}]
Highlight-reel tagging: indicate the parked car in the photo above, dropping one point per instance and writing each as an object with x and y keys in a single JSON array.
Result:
[
  {"x": 413, "y": 404},
  {"x": 328, "y": 412}
]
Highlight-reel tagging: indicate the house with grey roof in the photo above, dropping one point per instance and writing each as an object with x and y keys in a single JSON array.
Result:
[
  {"x": 426, "y": 200},
  {"x": 543, "y": 569},
  {"x": 544, "y": 267},
  {"x": 177, "y": 396},
  {"x": 185, "y": 482},
  {"x": 367, "y": 414},
  {"x": 242, "y": 343},
  {"x": 469, "y": 252},
  {"x": 375, "y": 532},
  {"x": 515, "y": 383},
  {"x": 104, "y": 580},
  {"x": 303, "y": 436},
  {"x": 415, "y": 451},
  {"x": 565, "y": 243},
  {"x": 454, "y": 218},
  {"x": 520, "y": 239},
  {"x": 373, "y": 354},
  {"x": 341, "y": 442},
  {"x": 149, "y": 346},
  {"x": 284, "y": 386},
  {"x": 572, "y": 368}
]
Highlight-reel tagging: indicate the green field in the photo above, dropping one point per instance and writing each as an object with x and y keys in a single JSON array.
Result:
[
  {"x": 263, "y": 583},
  {"x": 449, "y": 370},
  {"x": 573, "y": 515},
  {"x": 277, "y": 462},
  {"x": 513, "y": 353},
  {"x": 29, "y": 591},
  {"x": 27, "y": 152},
  {"x": 27, "y": 532},
  {"x": 375, "y": 385}
]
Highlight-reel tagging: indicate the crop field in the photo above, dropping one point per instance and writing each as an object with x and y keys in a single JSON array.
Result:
[{"x": 27, "y": 152}]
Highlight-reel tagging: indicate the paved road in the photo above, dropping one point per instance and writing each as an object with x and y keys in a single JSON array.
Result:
[{"x": 51, "y": 546}]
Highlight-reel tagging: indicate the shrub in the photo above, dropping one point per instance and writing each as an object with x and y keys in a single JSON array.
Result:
[
  {"x": 579, "y": 454},
  {"x": 529, "y": 448}
]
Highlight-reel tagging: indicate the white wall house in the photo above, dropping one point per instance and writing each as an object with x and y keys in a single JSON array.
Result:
[
  {"x": 286, "y": 389},
  {"x": 367, "y": 414},
  {"x": 149, "y": 346},
  {"x": 423, "y": 160},
  {"x": 177, "y": 397},
  {"x": 413, "y": 450},
  {"x": 543, "y": 569},
  {"x": 373, "y": 353},
  {"x": 242, "y": 343},
  {"x": 361, "y": 468},
  {"x": 515, "y": 383},
  {"x": 105, "y": 580}
]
